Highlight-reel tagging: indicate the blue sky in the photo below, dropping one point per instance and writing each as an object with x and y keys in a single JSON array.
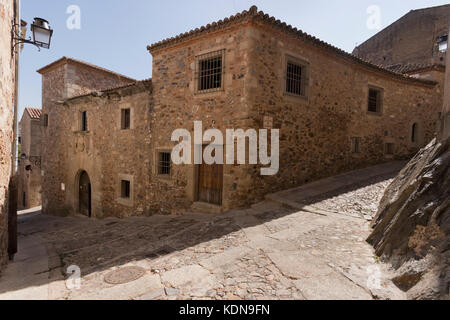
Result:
[{"x": 114, "y": 33}]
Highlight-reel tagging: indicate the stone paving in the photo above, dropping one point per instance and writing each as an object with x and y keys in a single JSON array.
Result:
[{"x": 270, "y": 251}]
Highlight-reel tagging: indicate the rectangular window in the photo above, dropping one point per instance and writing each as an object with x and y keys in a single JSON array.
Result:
[
  {"x": 296, "y": 79},
  {"x": 164, "y": 163},
  {"x": 84, "y": 121},
  {"x": 356, "y": 145},
  {"x": 390, "y": 149},
  {"x": 375, "y": 100},
  {"x": 125, "y": 189},
  {"x": 209, "y": 73},
  {"x": 126, "y": 119}
]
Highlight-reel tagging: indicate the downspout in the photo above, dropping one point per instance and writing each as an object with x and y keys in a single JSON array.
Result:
[{"x": 16, "y": 90}]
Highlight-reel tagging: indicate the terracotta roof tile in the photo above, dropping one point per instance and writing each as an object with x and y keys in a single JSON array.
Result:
[
  {"x": 34, "y": 113},
  {"x": 253, "y": 13},
  {"x": 415, "y": 67}
]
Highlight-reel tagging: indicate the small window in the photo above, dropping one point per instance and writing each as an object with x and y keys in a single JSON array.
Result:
[
  {"x": 375, "y": 100},
  {"x": 390, "y": 149},
  {"x": 126, "y": 119},
  {"x": 84, "y": 121},
  {"x": 125, "y": 189},
  {"x": 356, "y": 145},
  {"x": 209, "y": 73},
  {"x": 296, "y": 79},
  {"x": 164, "y": 163},
  {"x": 443, "y": 43},
  {"x": 414, "y": 132}
]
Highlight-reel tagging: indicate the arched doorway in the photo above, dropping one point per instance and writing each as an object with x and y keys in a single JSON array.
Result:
[{"x": 85, "y": 195}]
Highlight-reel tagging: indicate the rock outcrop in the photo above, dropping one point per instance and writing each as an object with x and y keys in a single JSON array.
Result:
[{"x": 412, "y": 227}]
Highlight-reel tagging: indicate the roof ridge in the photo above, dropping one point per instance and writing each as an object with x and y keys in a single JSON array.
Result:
[
  {"x": 69, "y": 59},
  {"x": 255, "y": 14}
]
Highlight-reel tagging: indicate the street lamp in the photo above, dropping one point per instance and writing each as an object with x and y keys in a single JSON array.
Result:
[{"x": 42, "y": 34}]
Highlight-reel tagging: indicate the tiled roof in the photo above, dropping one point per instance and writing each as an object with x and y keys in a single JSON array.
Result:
[
  {"x": 415, "y": 67},
  {"x": 34, "y": 113},
  {"x": 147, "y": 82},
  {"x": 253, "y": 13},
  {"x": 86, "y": 64}
]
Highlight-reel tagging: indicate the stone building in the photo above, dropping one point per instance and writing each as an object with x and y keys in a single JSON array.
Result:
[
  {"x": 29, "y": 167},
  {"x": 111, "y": 146},
  {"x": 7, "y": 97},
  {"x": 419, "y": 39}
]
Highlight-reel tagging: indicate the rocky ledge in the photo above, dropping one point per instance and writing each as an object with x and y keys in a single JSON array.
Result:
[{"x": 412, "y": 227}]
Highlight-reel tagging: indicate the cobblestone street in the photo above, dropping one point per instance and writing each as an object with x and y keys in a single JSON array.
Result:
[{"x": 305, "y": 243}]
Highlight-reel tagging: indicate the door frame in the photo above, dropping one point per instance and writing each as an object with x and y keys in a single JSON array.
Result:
[
  {"x": 77, "y": 190},
  {"x": 197, "y": 181}
]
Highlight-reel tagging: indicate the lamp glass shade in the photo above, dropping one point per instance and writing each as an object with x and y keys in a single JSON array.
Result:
[{"x": 42, "y": 34}]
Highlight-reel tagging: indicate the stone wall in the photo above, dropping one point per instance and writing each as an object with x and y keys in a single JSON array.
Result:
[
  {"x": 411, "y": 39},
  {"x": 61, "y": 81},
  {"x": 446, "y": 108},
  {"x": 7, "y": 69},
  {"x": 316, "y": 131},
  {"x": 29, "y": 194}
]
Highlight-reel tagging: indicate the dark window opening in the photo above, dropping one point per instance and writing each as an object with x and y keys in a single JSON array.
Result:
[
  {"x": 414, "y": 133},
  {"x": 356, "y": 145},
  {"x": 374, "y": 101},
  {"x": 84, "y": 121},
  {"x": 44, "y": 120},
  {"x": 210, "y": 71},
  {"x": 389, "y": 148},
  {"x": 125, "y": 189},
  {"x": 126, "y": 119},
  {"x": 295, "y": 79},
  {"x": 164, "y": 163}
]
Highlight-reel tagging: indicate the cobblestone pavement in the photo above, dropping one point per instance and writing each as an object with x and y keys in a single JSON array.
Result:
[{"x": 270, "y": 251}]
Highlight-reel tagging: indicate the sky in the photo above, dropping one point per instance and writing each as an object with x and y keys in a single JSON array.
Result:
[{"x": 114, "y": 33}]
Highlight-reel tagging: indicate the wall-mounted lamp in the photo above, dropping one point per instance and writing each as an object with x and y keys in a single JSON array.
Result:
[
  {"x": 443, "y": 43},
  {"x": 42, "y": 34}
]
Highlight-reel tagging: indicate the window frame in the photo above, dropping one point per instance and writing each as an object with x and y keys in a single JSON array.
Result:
[
  {"x": 123, "y": 111},
  {"x": 380, "y": 100},
  {"x": 128, "y": 202},
  {"x": 125, "y": 189},
  {"x": 305, "y": 78},
  {"x": 356, "y": 143},
  {"x": 209, "y": 56},
  {"x": 387, "y": 151},
  {"x": 159, "y": 161}
]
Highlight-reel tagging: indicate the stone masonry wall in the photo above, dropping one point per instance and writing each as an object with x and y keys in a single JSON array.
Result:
[
  {"x": 59, "y": 83},
  {"x": 316, "y": 132},
  {"x": 411, "y": 39},
  {"x": 7, "y": 68},
  {"x": 29, "y": 180},
  {"x": 177, "y": 105}
]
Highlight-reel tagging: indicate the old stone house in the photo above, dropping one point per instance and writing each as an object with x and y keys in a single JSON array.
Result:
[
  {"x": 29, "y": 164},
  {"x": 107, "y": 138},
  {"x": 8, "y": 10},
  {"x": 418, "y": 40}
]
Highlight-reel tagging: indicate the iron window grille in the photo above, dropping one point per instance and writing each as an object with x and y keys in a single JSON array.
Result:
[
  {"x": 126, "y": 119},
  {"x": 125, "y": 189},
  {"x": 374, "y": 100},
  {"x": 296, "y": 77},
  {"x": 164, "y": 163},
  {"x": 209, "y": 72}
]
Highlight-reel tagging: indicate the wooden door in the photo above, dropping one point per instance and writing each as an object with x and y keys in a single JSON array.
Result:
[
  {"x": 210, "y": 183},
  {"x": 85, "y": 194}
]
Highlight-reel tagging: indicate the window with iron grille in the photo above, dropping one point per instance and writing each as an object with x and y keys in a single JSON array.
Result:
[
  {"x": 356, "y": 145},
  {"x": 84, "y": 121},
  {"x": 390, "y": 149},
  {"x": 375, "y": 100},
  {"x": 164, "y": 163},
  {"x": 296, "y": 79},
  {"x": 126, "y": 119},
  {"x": 125, "y": 189},
  {"x": 209, "y": 72}
]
